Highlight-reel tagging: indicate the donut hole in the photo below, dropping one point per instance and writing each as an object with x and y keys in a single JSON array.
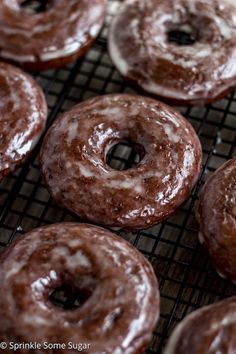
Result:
[
  {"x": 182, "y": 35},
  {"x": 124, "y": 155},
  {"x": 68, "y": 297},
  {"x": 36, "y": 6}
]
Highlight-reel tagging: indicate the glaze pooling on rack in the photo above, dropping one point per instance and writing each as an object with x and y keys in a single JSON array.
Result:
[
  {"x": 196, "y": 73},
  {"x": 74, "y": 167}
]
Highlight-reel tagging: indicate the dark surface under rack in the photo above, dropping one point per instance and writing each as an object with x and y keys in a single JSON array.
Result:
[{"x": 187, "y": 280}]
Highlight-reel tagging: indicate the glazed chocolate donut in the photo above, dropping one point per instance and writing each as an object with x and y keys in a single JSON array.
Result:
[
  {"x": 210, "y": 330},
  {"x": 217, "y": 218},
  {"x": 73, "y": 161},
  {"x": 50, "y": 39},
  {"x": 122, "y": 298},
  {"x": 23, "y": 114},
  {"x": 183, "y": 74}
]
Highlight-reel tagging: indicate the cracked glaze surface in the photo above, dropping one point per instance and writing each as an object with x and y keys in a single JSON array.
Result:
[
  {"x": 52, "y": 38},
  {"x": 210, "y": 330},
  {"x": 190, "y": 74},
  {"x": 117, "y": 318},
  {"x": 23, "y": 114},
  {"x": 217, "y": 218},
  {"x": 73, "y": 161}
]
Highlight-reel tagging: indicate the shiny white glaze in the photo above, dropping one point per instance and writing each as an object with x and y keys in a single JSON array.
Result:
[
  {"x": 197, "y": 69},
  {"x": 134, "y": 198},
  {"x": 23, "y": 114},
  {"x": 93, "y": 258},
  {"x": 60, "y": 32},
  {"x": 217, "y": 219},
  {"x": 208, "y": 330}
]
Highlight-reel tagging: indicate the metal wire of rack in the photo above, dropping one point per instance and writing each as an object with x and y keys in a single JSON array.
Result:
[{"x": 187, "y": 280}]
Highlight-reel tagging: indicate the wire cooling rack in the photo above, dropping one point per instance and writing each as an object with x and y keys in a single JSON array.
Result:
[{"x": 187, "y": 280}]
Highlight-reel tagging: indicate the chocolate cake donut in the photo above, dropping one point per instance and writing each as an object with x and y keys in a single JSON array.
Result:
[
  {"x": 23, "y": 114},
  {"x": 217, "y": 218},
  {"x": 120, "y": 304},
  {"x": 61, "y": 33},
  {"x": 210, "y": 330},
  {"x": 73, "y": 161},
  {"x": 198, "y": 72}
]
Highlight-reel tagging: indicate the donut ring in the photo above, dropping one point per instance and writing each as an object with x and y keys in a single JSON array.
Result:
[
  {"x": 217, "y": 219},
  {"x": 23, "y": 114},
  {"x": 182, "y": 74},
  {"x": 50, "y": 39},
  {"x": 120, "y": 311},
  {"x": 73, "y": 161},
  {"x": 206, "y": 331}
]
